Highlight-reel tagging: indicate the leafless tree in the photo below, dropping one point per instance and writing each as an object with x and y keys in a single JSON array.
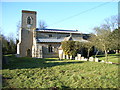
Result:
[
  {"x": 112, "y": 22},
  {"x": 42, "y": 24}
]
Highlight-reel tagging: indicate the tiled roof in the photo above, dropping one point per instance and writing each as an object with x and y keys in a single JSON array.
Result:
[
  {"x": 58, "y": 30},
  {"x": 55, "y": 40},
  {"x": 50, "y": 40}
]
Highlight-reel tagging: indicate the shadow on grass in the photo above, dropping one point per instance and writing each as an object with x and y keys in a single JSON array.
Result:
[{"x": 27, "y": 62}]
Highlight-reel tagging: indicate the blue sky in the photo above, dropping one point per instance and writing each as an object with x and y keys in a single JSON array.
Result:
[{"x": 56, "y": 14}]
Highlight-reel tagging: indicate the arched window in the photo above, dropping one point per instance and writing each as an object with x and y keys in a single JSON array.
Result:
[
  {"x": 50, "y": 48},
  {"x": 29, "y": 20}
]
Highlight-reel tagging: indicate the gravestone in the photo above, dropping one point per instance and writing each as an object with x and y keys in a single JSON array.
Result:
[
  {"x": 91, "y": 59},
  {"x": 82, "y": 58},
  {"x": 109, "y": 62},
  {"x": 79, "y": 56},
  {"x": 63, "y": 56},
  {"x": 96, "y": 59},
  {"x": 76, "y": 58},
  {"x": 67, "y": 57},
  {"x": 102, "y": 61},
  {"x": 71, "y": 57},
  {"x": 85, "y": 59}
]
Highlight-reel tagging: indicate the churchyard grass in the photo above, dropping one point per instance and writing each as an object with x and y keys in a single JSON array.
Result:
[
  {"x": 111, "y": 58},
  {"x": 53, "y": 73}
]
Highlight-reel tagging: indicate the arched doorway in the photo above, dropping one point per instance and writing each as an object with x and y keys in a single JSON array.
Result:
[{"x": 28, "y": 53}]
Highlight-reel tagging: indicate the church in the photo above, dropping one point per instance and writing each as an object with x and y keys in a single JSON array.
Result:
[{"x": 43, "y": 43}]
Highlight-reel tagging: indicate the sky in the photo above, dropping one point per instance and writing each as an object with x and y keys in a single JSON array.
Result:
[{"x": 81, "y": 16}]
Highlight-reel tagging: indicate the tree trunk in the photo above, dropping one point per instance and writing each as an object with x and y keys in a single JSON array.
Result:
[
  {"x": 106, "y": 56},
  {"x": 88, "y": 53},
  {"x": 96, "y": 53}
]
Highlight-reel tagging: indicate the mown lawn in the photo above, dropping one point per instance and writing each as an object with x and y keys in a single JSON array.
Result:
[
  {"x": 52, "y": 73},
  {"x": 111, "y": 57}
]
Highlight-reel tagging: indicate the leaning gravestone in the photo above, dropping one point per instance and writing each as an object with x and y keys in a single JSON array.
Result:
[
  {"x": 91, "y": 59},
  {"x": 109, "y": 62}
]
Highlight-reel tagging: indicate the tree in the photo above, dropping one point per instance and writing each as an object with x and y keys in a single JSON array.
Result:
[
  {"x": 112, "y": 22},
  {"x": 8, "y": 45},
  {"x": 101, "y": 40},
  {"x": 68, "y": 47},
  {"x": 71, "y": 47},
  {"x": 115, "y": 39},
  {"x": 89, "y": 46},
  {"x": 42, "y": 24}
]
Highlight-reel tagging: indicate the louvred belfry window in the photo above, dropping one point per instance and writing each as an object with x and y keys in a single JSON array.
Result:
[{"x": 29, "y": 20}]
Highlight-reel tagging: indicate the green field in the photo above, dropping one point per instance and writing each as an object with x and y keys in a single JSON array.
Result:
[{"x": 53, "y": 73}]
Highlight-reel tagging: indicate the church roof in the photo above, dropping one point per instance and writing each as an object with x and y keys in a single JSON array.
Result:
[
  {"x": 50, "y": 40},
  {"x": 55, "y": 40},
  {"x": 58, "y": 30}
]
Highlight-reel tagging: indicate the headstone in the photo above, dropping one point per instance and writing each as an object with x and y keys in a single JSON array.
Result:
[
  {"x": 85, "y": 59},
  {"x": 79, "y": 56},
  {"x": 91, "y": 59},
  {"x": 96, "y": 59},
  {"x": 82, "y": 58},
  {"x": 102, "y": 61},
  {"x": 76, "y": 58},
  {"x": 67, "y": 57},
  {"x": 109, "y": 62},
  {"x": 63, "y": 56},
  {"x": 71, "y": 57}
]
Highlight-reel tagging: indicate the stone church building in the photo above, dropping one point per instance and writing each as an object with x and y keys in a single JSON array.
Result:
[{"x": 42, "y": 43}]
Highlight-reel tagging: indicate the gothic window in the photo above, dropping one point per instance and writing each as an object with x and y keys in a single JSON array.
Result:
[
  {"x": 29, "y": 20},
  {"x": 50, "y": 48}
]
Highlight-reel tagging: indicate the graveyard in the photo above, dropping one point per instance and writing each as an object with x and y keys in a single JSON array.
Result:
[{"x": 52, "y": 73}]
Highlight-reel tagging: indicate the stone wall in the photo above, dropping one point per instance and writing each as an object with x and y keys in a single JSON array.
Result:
[
  {"x": 45, "y": 50},
  {"x": 25, "y": 43}
]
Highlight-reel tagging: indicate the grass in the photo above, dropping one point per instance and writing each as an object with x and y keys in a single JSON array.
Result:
[
  {"x": 111, "y": 57},
  {"x": 52, "y": 73}
]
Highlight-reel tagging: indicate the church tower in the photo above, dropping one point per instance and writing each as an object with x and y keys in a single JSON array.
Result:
[{"x": 28, "y": 25}]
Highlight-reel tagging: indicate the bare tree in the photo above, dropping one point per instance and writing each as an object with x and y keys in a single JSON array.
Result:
[
  {"x": 112, "y": 22},
  {"x": 42, "y": 24}
]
